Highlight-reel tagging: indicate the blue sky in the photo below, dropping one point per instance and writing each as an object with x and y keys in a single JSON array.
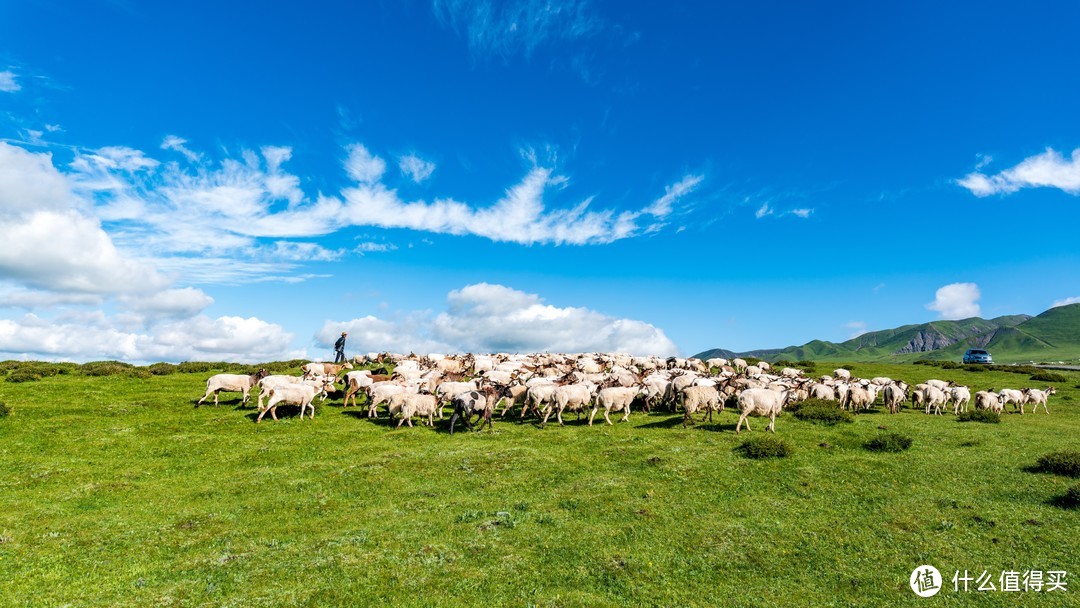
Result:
[{"x": 193, "y": 181}]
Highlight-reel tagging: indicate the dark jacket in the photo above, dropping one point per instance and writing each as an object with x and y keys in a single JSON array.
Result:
[{"x": 340, "y": 344}]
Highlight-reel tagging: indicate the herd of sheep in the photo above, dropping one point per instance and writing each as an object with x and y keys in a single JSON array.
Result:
[{"x": 545, "y": 384}]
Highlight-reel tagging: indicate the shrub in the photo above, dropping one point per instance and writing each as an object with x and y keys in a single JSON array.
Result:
[
  {"x": 194, "y": 367},
  {"x": 976, "y": 368},
  {"x": 951, "y": 365},
  {"x": 765, "y": 446},
  {"x": 1048, "y": 377},
  {"x": 161, "y": 369},
  {"x": 1070, "y": 499},
  {"x": 105, "y": 368},
  {"x": 5, "y": 411},
  {"x": 828, "y": 413},
  {"x": 282, "y": 366},
  {"x": 1064, "y": 462},
  {"x": 889, "y": 442},
  {"x": 974, "y": 415},
  {"x": 23, "y": 375}
]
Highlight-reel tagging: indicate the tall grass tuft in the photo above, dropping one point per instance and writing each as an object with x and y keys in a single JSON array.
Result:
[{"x": 5, "y": 411}]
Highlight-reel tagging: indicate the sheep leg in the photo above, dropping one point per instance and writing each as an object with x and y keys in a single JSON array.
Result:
[
  {"x": 607, "y": 419},
  {"x": 592, "y": 414},
  {"x": 558, "y": 414},
  {"x": 772, "y": 422},
  {"x": 626, "y": 414},
  {"x": 547, "y": 413}
]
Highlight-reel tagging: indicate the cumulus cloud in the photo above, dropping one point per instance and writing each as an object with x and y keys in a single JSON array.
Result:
[
  {"x": 7, "y": 82},
  {"x": 177, "y": 303},
  {"x": 495, "y": 318},
  {"x": 49, "y": 243},
  {"x": 957, "y": 301},
  {"x": 415, "y": 168},
  {"x": 1066, "y": 302},
  {"x": 489, "y": 318},
  {"x": 1046, "y": 170}
]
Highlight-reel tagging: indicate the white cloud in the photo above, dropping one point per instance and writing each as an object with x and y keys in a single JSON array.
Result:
[
  {"x": 7, "y": 82},
  {"x": 415, "y": 168},
  {"x": 857, "y": 328},
  {"x": 662, "y": 206},
  {"x": 518, "y": 26},
  {"x": 494, "y": 318},
  {"x": 1046, "y": 170},
  {"x": 957, "y": 301},
  {"x": 49, "y": 243},
  {"x": 489, "y": 318},
  {"x": 174, "y": 303},
  {"x": 96, "y": 336},
  {"x": 305, "y": 252},
  {"x": 172, "y": 142},
  {"x": 803, "y": 213},
  {"x": 371, "y": 247},
  {"x": 122, "y": 158},
  {"x": 363, "y": 166},
  {"x": 763, "y": 211},
  {"x": 1066, "y": 302}
]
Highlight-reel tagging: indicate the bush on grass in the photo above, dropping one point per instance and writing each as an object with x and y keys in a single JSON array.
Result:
[
  {"x": 5, "y": 411},
  {"x": 974, "y": 415},
  {"x": 889, "y": 442},
  {"x": 1070, "y": 499},
  {"x": 161, "y": 369},
  {"x": 1062, "y": 462},
  {"x": 23, "y": 375},
  {"x": 1048, "y": 377},
  {"x": 825, "y": 412},
  {"x": 765, "y": 446}
]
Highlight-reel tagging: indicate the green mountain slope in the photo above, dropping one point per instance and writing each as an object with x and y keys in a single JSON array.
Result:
[{"x": 1053, "y": 335}]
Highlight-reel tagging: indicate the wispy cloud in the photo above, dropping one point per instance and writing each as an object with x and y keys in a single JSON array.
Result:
[
  {"x": 8, "y": 83},
  {"x": 857, "y": 328},
  {"x": 1066, "y": 302},
  {"x": 373, "y": 247},
  {"x": 1047, "y": 170},
  {"x": 415, "y": 168},
  {"x": 662, "y": 206},
  {"x": 803, "y": 213},
  {"x": 518, "y": 26},
  {"x": 763, "y": 211},
  {"x": 172, "y": 142},
  {"x": 957, "y": 301}
]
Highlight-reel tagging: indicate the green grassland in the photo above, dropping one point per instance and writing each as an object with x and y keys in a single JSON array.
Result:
[{"x": 117, "y": 492}]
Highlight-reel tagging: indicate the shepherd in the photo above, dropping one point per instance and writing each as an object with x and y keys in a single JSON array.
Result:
[{"x": 339, "y": 348}]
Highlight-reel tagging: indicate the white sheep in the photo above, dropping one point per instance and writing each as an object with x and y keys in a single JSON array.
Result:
[
  {"x": 700, "y": 398},
  {"x": 569, "y": 396},
  {"x": 231, "y": 383},
  {"x": 894, "y": 396},
  {"x": 418, "y": 404},
  {"x": 291, "y": 394},
  {"x": 961, "y": 397},
  {"x": 615, "y": 399},
  {"x": 939, "y": 384},
  {"x": 312, "y": 370},
  {"x": 1037, "y": 397},
  {"x": 988, "y": 400},
  {"x": 761, "y": 402},
  {"x": 842, "y": 374},
  {"x": 1013, "y": 396}
]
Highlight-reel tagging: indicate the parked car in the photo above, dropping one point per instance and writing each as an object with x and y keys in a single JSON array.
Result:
[{"x": 975, "y": 355}]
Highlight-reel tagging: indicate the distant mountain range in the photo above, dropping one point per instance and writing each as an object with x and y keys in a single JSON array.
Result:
[{"x": 1052, "y": 336}]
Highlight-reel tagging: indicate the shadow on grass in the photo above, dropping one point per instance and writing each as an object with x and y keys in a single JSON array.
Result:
[{"x": 671, "y": 421}]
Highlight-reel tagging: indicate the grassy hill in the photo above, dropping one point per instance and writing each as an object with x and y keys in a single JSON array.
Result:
[
  {"x": 117, "y": 492},
  {"x": 1052, "y": 336}
]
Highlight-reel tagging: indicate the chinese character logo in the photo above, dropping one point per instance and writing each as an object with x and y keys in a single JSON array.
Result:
[{"x": 925, "y": 581}]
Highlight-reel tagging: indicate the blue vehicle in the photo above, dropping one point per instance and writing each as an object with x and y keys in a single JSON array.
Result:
[{"x": 975, "y": 355}]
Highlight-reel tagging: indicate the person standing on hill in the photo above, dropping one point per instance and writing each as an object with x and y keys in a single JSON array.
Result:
[{"x": 339, "y": 348}]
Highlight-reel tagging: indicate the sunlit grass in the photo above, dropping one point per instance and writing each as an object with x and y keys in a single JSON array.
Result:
[{"x": 116, "y": 491}]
